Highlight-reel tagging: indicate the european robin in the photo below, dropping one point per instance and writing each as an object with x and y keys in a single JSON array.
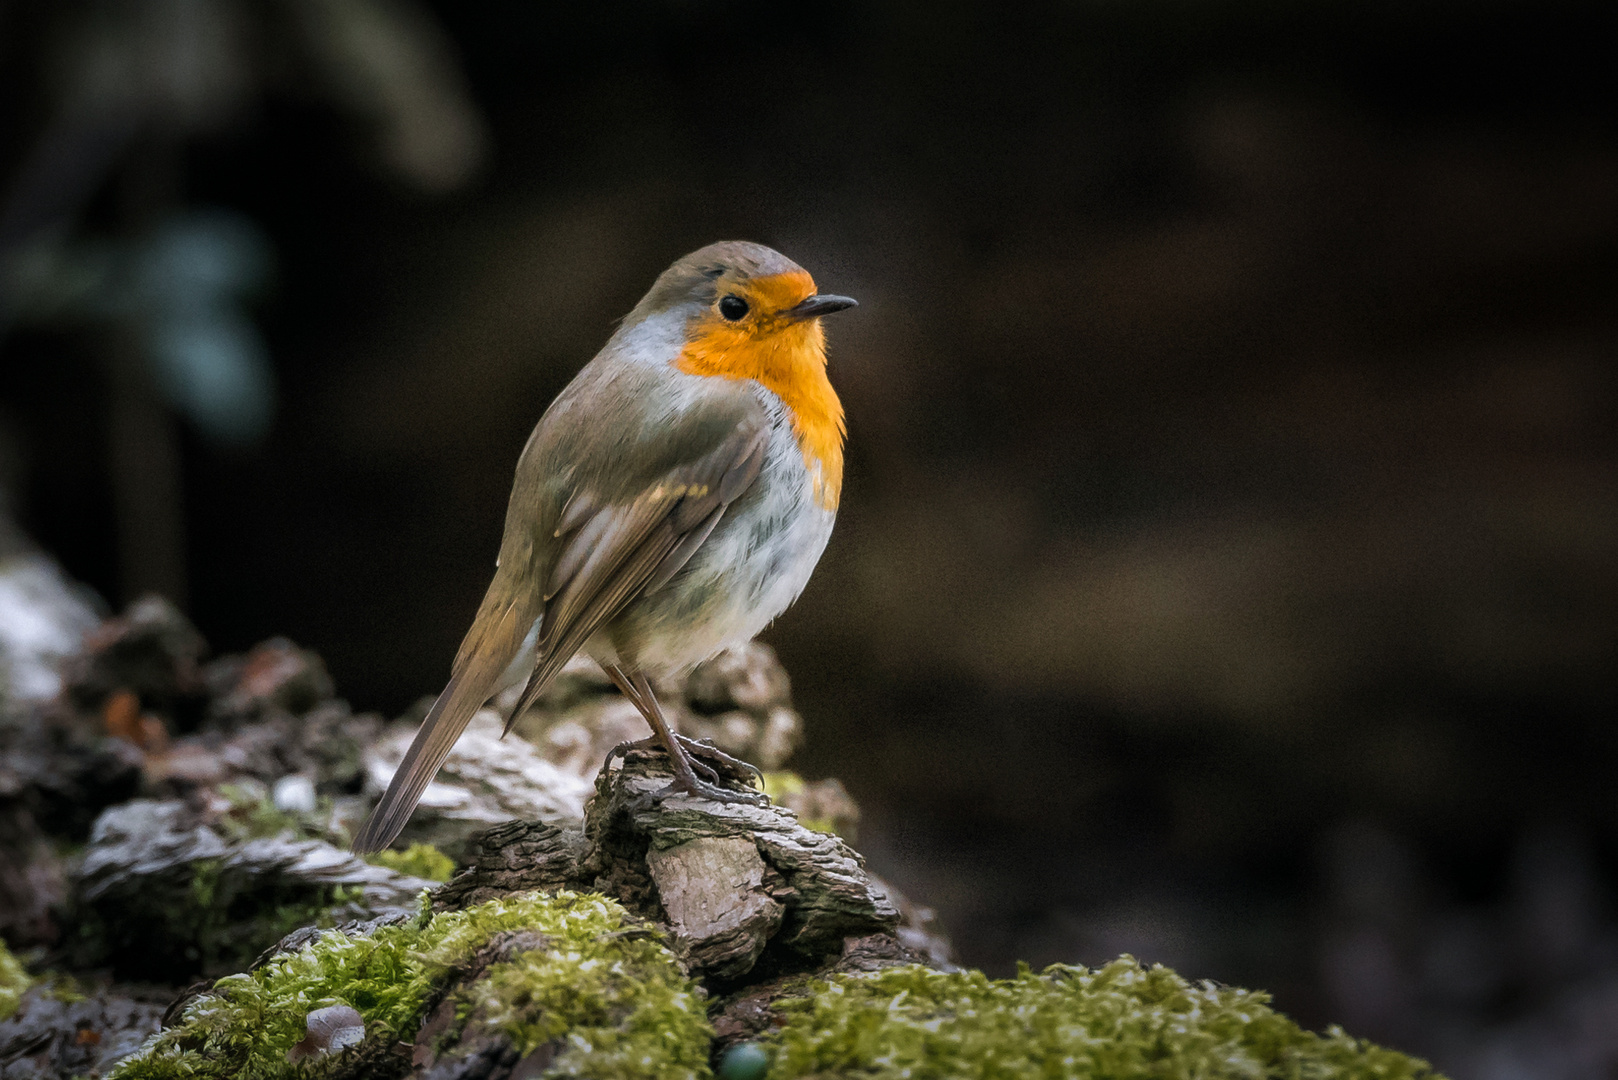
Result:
[{"x": 671, "y": 502}]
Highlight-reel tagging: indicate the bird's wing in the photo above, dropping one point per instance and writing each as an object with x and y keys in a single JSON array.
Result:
[
  {"x": 608, "y": 549},
  {"x": 619, "y": 552}
]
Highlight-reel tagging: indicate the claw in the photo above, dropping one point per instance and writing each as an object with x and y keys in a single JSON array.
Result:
[
  {"x": 713, "y": 793},
  {"x": 706, "y": 749},
  {"x": 699, "y": 750},
  {"x": 623, "y": 748},
  {"x": 708, "y": 784},
  {"x": 683, "y": 752},
  {"x": 704, "y": 770}
]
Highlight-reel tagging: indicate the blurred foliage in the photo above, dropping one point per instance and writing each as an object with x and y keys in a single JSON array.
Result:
[
  {"x": 182, "y": 285},
  {"x": 418, "y": 860},
  {"x": 13, "y": 981}
]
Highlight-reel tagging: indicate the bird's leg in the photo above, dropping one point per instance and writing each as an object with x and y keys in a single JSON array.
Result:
[
  {"x": 685, "y": 778},
  {"x": 629, "y": 690},
  {"x": 639, "y": 691},
  {"x": 698, "y": 749}
]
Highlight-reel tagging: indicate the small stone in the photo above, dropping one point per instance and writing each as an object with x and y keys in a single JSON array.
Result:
[
  {"x": 294, "y": 794},
  {"x": 328, "y": 1031},
  {"x": 744, "y": 1061}
]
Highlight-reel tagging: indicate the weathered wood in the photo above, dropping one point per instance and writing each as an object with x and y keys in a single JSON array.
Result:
[
  {"x": 728, "y": 880},
  {"x": 516, "y": 857},
  {"x": 719, "y": 908}
]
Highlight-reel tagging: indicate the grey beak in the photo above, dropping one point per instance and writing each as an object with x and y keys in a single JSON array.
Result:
[{"x": 818, "y": 305}]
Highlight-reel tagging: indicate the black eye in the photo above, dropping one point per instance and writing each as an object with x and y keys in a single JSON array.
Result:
[{"x": 733, "y": 307}]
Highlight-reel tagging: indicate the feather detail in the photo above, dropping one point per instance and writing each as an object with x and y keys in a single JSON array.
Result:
[{"x": 508, "y": 610}]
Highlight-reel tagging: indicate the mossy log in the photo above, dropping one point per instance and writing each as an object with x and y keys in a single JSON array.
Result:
[
  {"x": 668, "y": 938},
  {"x": 620, "y": 935},
  {"x": 495, "y": 978}
]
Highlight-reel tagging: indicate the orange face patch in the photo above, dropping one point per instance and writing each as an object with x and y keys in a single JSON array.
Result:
[{"x": 786, "y": 356}]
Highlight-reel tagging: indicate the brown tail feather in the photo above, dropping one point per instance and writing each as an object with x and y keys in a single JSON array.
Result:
[{"x": 484, "y": 656}]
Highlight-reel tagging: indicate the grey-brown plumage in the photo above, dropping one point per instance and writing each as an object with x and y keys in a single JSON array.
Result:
[{"x": 656, "y": 516}]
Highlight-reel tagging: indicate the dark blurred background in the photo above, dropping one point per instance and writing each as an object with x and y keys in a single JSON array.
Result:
[{"x": 1226, "y": 569}]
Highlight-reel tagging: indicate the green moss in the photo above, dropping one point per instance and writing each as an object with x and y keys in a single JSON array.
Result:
[
  {"x": 610, "y": 998},
  {"x": 1120, "y": 1022},
  {"x": 622, "y": 1004},
  {"x": 418, "y": 860},
  {"x": 13, "y": 981},
  {"x": 619, "y": 998}
]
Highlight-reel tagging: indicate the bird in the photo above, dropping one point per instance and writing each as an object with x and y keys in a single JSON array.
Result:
[{"x": 672, "y": 500}]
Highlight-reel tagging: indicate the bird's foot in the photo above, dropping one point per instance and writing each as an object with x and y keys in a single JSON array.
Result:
[
  {"x": 651, "y": 742},
  {"x": 734, "y": 767},
  {"x": 701, "y": 753},
  {"x": 702, "y": 789},
  {"x": 706, "y": 786}
]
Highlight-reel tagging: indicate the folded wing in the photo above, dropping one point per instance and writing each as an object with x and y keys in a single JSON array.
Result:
[
  {"x": 621, "y": 552},
  {"x": 608, "y": 553}
]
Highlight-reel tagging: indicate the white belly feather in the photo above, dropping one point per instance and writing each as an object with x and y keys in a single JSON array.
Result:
[{"x": 746, "y": 573}]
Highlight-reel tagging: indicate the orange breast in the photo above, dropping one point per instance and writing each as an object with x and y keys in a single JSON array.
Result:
[{"x": 790, "y": 359}]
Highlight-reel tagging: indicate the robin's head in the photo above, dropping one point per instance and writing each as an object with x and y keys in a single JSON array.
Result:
[
  {"x": 745, "y": 311},
  {"x": 739, "y": 293}
]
